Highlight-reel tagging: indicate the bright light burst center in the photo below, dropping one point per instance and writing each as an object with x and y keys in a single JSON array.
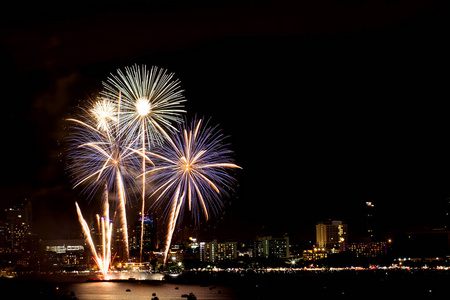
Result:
[
  {"x": 103, "y": 111},
  {"x": 143, "y": 106},
  {"x": 185, "y": 164}
]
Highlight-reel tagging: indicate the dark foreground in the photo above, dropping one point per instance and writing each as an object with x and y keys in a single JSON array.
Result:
[
  {"x": 324, "y": 284},
  {"x": 249, "y": 285}
]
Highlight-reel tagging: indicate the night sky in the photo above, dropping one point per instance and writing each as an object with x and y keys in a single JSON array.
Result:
[{"x": 327, "y": 104}]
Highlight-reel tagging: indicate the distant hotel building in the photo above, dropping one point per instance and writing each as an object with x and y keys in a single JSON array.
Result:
[
  {"x": 331, "y": 236},
  {"x": 213, "y": 252},
  {"x": 270, "y": 247}
]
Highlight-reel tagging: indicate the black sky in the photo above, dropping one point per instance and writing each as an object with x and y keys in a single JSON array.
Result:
[{"x": 328, "y": 104}]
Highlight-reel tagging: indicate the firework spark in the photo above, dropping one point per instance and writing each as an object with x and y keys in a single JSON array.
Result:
[
  {"x": 150, "y": 100},
  {"x": 191, "y": 167}
]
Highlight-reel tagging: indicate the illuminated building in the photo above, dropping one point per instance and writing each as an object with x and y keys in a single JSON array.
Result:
[
  {"x": 150, "y": 242},
  {"x": 212, "y": 251},
  {"x": 315, "y": 254},
  {"x": 227, "y": 251},
  {"x": 4, "y": 232},
  {"x": 19, "y": 222},
  {"x": 270, "y": 247},
  {"x": 369, "y": 249},
  {"x": 118, "y": 247},
  {"x": 62, "y": 254},
  {"x": 370, "y": 224},
  {"x": 17, "y": 240},
  {"x": 208, "y": 251},
  {"x": 192, "y": 244},
  {"x": 331, "y": 236}
]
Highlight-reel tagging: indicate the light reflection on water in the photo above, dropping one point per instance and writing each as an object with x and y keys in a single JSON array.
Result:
[
  {"x": 144, "y": 290},
  {"x": 135, "y": 275}
]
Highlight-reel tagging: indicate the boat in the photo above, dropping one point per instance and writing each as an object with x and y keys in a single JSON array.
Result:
[{"x": 189, "y": 296}]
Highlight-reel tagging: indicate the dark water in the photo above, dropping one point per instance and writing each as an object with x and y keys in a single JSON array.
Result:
[
  {"x": 25, "y": 289},
  {"x": 168, "y": 291},
  {"x": 323, "y": 285}
]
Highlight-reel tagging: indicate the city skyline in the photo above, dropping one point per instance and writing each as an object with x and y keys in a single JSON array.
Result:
[
  {"x": 284, "y": 88},
  {"x": 333, "y": 245}
]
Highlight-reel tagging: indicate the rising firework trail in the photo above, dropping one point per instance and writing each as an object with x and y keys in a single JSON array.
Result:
[
  {"x": 103, "y": 259},
  {"x": 150, "y": 101},
  {"x": 191, "y": 167},
  {"x": 100, "y": 156}
]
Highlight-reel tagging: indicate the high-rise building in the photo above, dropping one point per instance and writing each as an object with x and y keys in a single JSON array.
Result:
[
  {"x": 212, "y": 251},
  {"x": 208, "y": 251},
  {"x": 227, "y": 251},
  {"x": 332, "y": 236},
  {"x": 271, "y": 247},
  {"x": 118, "y": 247},
  {"x": 150, "y": 241},
  {"x": 370, "y": 223},
  {"x": 19, "y": 222},
  {"x": 17, "y": 238}
]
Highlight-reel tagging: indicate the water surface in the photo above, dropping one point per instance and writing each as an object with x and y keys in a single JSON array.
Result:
[{"x": 144, "y": 290}]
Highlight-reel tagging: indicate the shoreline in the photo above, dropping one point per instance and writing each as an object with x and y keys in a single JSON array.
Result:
[{"x": 208, "y": 275}]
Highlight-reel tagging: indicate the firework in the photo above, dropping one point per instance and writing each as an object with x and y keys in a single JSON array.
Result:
[
  {"x": 150, "y": 100},
  {"x": 191, "y": 167},
  {"x": 126, "y": 139},
  {"x": 99, "y": 155}
]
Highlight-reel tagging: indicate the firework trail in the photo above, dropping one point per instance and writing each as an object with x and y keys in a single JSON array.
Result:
[
  {"x": 105, "y": 227},
  {"x": 99, "y": 155},
  {"x": 150, "y": 100},
  {"x": 102, "y": 260},
  {"x": 191, "y": 167}
]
